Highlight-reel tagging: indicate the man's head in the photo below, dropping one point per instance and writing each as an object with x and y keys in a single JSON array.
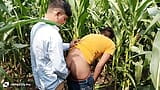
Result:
[
  {"x": 107, "y": 31},
  {"x": 58, "y": 11}
]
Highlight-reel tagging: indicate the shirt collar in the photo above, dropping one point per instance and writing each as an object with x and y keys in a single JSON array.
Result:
[{"x": 54, "y": 26}]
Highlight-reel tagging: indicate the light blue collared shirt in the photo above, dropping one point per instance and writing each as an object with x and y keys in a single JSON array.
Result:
[{"x": 47, "y": 59}]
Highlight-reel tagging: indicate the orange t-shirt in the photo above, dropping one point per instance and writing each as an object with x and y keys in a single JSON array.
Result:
[{"x": 94, "y": 45}]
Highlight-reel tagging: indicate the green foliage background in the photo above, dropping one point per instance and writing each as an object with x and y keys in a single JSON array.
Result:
[{"x": 135, "y": 29}]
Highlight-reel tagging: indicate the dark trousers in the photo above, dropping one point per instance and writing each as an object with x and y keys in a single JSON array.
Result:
[{"x": 81, "y": 85}]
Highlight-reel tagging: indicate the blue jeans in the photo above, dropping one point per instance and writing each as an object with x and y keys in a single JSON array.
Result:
[{"x": 81, "y": 85}]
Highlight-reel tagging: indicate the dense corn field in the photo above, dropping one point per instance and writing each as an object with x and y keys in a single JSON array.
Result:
[{"x": 136, "y": 24}]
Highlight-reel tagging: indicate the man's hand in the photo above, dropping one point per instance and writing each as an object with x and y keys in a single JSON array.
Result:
[{"x": 74, "y": 42}]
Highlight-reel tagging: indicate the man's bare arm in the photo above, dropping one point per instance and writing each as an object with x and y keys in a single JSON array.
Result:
[{"x": 99, "y": 67}]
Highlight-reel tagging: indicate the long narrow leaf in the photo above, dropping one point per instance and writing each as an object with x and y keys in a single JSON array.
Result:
[
  {"x": 138, "y": 71},
  {"x": 3, "y": 7},
  {"x": 133, "y": 5},
  {"x": 23, "y": 22},
  {"x": 131, "y": 78},
  {"x": 155, "y": 62},
  {"x": 155, "y": 19},
  {"x": 143, "y": 7}
]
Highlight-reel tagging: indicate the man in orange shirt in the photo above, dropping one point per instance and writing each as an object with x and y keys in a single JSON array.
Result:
[{"x": 80, "y": 58}]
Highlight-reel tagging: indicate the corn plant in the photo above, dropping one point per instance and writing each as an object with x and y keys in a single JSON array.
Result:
[
  {"x": 14, "y": 38},
  {"x": 155, "y": 63},
  {"x": 80, "y": 14},
  {"x": 130, "y": 21}
]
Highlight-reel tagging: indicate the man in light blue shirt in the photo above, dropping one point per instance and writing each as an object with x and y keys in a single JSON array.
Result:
[{"x": 47, "y": 59}]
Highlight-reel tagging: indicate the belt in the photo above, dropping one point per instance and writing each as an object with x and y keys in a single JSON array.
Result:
[{"x": 82, "y": 81}]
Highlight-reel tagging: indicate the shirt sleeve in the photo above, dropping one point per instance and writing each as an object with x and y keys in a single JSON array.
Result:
[
  {"x": 55, "y": 52},
  {"x": 110, "y": 49},
  {"x": 66, "y": 46}
]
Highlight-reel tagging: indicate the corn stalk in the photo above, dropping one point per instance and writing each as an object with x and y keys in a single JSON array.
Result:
[
  {"x": 128, "y": 21},
  {"x": 80, "y": 14}
]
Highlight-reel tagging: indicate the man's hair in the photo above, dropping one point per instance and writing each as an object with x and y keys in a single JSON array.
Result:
[
  {"x": 108, "y": 29},
  {"x": 61, "y": 4}
]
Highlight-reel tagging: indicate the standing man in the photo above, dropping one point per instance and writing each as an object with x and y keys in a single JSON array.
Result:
[
  {"x": 47, "y": 59},
  {"x": 80, "y": 58}
]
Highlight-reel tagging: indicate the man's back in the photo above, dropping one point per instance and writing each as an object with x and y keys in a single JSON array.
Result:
[{"x": 94, "y": 45}]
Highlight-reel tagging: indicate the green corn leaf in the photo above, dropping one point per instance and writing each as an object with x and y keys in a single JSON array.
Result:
[
  {"x": 94, "y": 15},
  {"x": 155, "y": 19},
  {"x": 83, "y": 12},
  {"x": 105, "y": 4},
  {"x": 114, "y": 4},
  {"x": 131, "y": 78},
  {"x": 74, "y": 7},
  {"x": 23, "y": 22},
  {"x": 141, "y": 9},
  {"x": 135, "y": 49},
  {"x": 141, "y": 53},
  {"x": 20, "y": 45},
  {"x": 3, "y": 7},
  {"x": 138, "y": 70},
  {"x": 155, "y": 62},
  {"x": 133, "y": 5},
  {"x": 118, "y": 6},
  {"x": 121, "y": 9},
  {"x": 153, "y": 11}
]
